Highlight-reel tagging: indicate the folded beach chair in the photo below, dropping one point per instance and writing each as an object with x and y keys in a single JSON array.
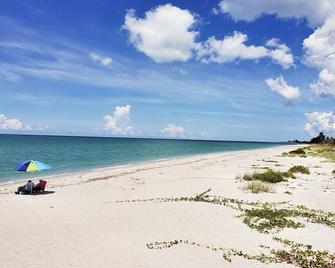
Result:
[{"x": 40, "y": 186}]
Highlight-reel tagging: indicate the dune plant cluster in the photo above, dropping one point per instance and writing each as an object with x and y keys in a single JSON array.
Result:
[
  {"x": 272, "y": 176},
  {"x": 299, "y": 169},
  {"x": 300, "y": 255},
  {"x": 297, "y": 152},
  {"x": 258, "y": 187},
  {"x": 268, "y": 175}
]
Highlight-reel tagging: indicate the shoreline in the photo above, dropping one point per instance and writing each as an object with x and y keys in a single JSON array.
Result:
[
  {"x": 36, "y": 176},
  {"x": 108, "y": 217}
]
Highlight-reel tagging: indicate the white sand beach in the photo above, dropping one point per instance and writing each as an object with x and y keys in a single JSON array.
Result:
[{"x": 80, "y": 224}]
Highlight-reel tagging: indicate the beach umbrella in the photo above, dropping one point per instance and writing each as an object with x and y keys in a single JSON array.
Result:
[{"x": 32, "y": 166}]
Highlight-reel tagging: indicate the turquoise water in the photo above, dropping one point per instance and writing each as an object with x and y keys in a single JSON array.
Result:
[{"x": 76, "y": 153}]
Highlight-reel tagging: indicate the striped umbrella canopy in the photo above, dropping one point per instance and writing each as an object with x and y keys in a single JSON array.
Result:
[{"x": 32, "y": 166}]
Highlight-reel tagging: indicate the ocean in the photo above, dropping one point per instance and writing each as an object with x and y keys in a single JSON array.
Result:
[{"x": 66, "y": 154}]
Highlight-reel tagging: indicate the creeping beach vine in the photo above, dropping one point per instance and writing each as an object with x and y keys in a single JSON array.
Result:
[
  {"x": 301, "y": 255},
  {"x": 265, "y": 217}
]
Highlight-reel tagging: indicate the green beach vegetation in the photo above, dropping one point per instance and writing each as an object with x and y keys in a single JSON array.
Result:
[
  {"x": 265, "y": 217},
  {"x": 299, "y": 169},
  {"x": 323, "y": 150},
  {"x": 269, "y": 175},
  {"x": 298, "y": 254},
  {"x": 258, "y": 187},
  {"x": 272, "y": 176},
  {"x": 317, "y": 150}
]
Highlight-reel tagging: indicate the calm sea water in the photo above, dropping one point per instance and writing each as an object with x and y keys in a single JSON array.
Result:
[{"x": 65, "y": 154}]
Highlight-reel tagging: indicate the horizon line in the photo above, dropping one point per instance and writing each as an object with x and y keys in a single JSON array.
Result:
[{"x": 144, "y": 137}]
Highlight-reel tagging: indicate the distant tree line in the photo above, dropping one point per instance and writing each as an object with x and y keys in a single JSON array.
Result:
[{"x": 320, "y": 139}]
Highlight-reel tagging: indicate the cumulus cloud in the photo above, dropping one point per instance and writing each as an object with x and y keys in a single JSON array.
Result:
[
  {"x": 233, "y": 48},
  {"x": 320, "y": 53},
  {"x": 165, "y": 34},
  {"x": 319, "y": 46},
  {"x": 320, "y": 121},
  {"x": 16, "y": 124},
  {"x": 280, "y": 53},
  {"x": 280, "y": 86},
  {"x": 325, "y": 85},
  {"x": 118, "y": 123},
  {"x": 229, "y": 49},
  {"x": 173, "y": 131},
  {"x": 315, "y": 11},
  {"x": 106, "y": 61},
  {"x": 10, "y": 123}
]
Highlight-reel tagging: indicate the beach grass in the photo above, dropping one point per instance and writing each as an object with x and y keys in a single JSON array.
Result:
[
  {"x": 258, "y": 187},
  {"x": 269, "y": 175},
  {"x": 273, "y": 176}
]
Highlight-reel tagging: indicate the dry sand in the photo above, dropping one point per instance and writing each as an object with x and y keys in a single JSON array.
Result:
[{"x": 81, "y": 225}]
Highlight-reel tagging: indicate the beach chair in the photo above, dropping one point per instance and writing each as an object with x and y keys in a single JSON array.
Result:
[{"x": 40, "y": 186}]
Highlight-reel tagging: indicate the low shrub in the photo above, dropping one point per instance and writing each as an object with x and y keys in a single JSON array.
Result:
[
  {"x": 267, "y": 176},
  {"x": 299, "y": 151},
  {"x": 299, "y": 169}
]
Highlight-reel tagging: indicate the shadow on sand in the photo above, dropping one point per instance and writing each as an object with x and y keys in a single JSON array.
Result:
[{"x": 43, "y": 193}]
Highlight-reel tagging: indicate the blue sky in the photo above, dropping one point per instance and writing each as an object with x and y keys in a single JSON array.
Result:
[{"x": 233, "y": 70}]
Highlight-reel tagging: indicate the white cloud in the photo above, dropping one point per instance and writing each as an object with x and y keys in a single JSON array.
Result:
[
  {"x": 280, "y": 53},
  {"x": 325, "y": 86},
  {"x": 16, "y": 124},
  {"x": 118, "y": 123},
  {"x": 280, "y": 86},
  {"x": 233, "y": 48},
  {"x": 319, "y": 46},
  {"x": 173, "y": 131},
  {"x": 320, "y": 53},
  {"x": 106, "y": 61},
  {"x": 165, "y": 34},
  {"x": 229, "y": 49},
  {"x": 315, "y": 11},
  {"x": 10, "y": 123},
  {"x": 320, "y": 121}
]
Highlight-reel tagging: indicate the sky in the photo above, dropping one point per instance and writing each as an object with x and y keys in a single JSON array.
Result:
[{"x": 225, "y": 70}]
